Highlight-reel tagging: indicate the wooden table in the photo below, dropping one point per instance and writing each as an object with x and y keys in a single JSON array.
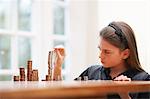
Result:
[{"x": 67, "y": 89}]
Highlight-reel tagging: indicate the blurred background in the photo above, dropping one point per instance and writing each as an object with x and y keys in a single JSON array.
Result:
[{"x": 30, "y": 28}]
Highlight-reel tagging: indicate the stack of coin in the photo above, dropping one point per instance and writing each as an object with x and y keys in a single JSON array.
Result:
[
  {"x": 79, "y": 79},
  {"x": 22, "y": 74},
  {"x": 16, "y": 78},
  {"x": 49, "y": 63},
  {"x": 48, "y": 78},
  {"x": 29, "y": 70},
  {"x": 85, "y": 78},
  {"x": 35, "y": 75}
]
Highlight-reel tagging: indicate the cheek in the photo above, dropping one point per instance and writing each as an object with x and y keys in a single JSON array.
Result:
[{"x": 112, "y": 60}]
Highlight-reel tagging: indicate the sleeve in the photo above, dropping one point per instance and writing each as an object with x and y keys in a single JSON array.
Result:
[
  {"x": 145, "y": 95},
  {"x": 142, "y": 95},
  {"x": 148, "y": 78},
  {"x": 93, "y": 72},
  {"x": 142, "y": 76}
]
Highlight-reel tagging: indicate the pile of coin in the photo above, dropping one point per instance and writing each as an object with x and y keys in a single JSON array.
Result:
[
  {"x": 54, "y": 68},
  {"x": 32, "y": 75},
  {"x": 29, "y": 70},
  {"x": 85, "y": 78},
  {"x": 22, "y": 74},
  {"x": 16, "y": 78},
  {"x": 50, "y": 66},
  {"x": 48, "y": 78},
  {"x": 35, "y": 75}
]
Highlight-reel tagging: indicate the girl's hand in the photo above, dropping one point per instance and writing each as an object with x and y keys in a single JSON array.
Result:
[
  {"x": 60, "y": 54},
  {"x": 122, "y": 78}
]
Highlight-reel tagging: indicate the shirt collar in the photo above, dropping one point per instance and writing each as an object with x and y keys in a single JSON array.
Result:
[{"x": 129, "y": 73}]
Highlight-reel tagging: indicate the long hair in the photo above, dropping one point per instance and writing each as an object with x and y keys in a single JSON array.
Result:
[{"x": 122, "y": 36}]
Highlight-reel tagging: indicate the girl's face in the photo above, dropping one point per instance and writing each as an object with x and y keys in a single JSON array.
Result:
[{"x": 111, "y": 56}]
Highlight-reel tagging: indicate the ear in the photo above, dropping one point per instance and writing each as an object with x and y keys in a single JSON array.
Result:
[{"x": 125, "y": 53}]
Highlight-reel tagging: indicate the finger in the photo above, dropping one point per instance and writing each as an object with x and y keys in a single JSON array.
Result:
[
  {"x": 119, "y": 77},
  {"x": 61, "y": 51},
  {"x": 122, "y": 78},
  {"x": 58, "y": 53},
  {"x": 127, "y": 79}
]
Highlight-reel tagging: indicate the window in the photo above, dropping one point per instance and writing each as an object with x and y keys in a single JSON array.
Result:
[
  {"x": 23, "y": 35},
  {"x": 24, "y": 14},
  {"x": 15, "y": 46},
  {"x": 5, "y": 6},
  {"x": 59, "y": 19},
  {"x": 24, "y": 50},
  {"x": 5, "y": 52}
]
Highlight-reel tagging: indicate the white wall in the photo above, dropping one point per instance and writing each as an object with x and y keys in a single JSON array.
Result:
[
  {"x": 78, "y": 37},
  {"x": 134, "y": 12},
  {"x": 84, "y": 36},
  {"x": 92, "y": 33}
]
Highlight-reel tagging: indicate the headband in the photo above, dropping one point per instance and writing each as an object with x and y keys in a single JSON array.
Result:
[{"x": 120, "y": 34}]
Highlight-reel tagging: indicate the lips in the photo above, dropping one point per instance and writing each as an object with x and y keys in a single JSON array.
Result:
[{"x": 102, "y": 62}]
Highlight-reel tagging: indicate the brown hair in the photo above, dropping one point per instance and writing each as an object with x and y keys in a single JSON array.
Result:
[{"x": 122, "y": 36}]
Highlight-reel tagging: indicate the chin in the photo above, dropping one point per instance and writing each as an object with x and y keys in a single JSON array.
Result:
[{"x": 106, "y": 66}]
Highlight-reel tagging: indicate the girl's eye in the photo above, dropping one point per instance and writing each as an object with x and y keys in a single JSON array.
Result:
[{"x": 107, "y": 52}]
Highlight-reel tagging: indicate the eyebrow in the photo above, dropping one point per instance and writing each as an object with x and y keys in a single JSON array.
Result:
[{"x": 104, "y": 49}]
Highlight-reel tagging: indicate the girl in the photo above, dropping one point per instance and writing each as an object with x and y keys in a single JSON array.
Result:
[{"x": 119, "y": 57}]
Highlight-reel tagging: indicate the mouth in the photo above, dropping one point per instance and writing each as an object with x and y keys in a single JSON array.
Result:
[{"x": 102, "y": 62}]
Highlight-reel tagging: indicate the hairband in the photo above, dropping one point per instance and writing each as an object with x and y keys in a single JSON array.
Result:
[{"x": 120, "y": 34}]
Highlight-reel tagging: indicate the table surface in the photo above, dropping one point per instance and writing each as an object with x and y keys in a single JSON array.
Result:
[{"x": 69, "y": 89}]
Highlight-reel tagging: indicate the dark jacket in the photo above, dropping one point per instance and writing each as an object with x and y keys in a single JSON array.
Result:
[{"x": 98, "y": 72}]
